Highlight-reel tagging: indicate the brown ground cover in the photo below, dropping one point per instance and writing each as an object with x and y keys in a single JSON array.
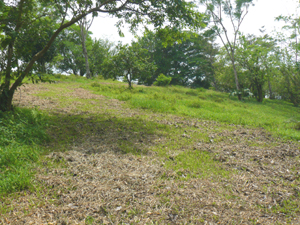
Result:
[{"x": 95, "y": 182}]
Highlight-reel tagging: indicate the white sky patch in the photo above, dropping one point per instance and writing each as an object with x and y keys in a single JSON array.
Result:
[{"x": 262, "y": 14}]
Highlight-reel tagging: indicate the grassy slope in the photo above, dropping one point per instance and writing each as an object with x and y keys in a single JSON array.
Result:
[
  {"x": 278, "y": 117},
  {"x": 23, "y": 131}
]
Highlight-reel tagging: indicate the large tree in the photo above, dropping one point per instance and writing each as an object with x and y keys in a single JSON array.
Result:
[
  {"x": 85, "y": 25},
  {"x": 255, "y": 56},
  {"x": 17, "y": 16},
  {"x": 188, "y": 61},
  {"x": 288, "y": 60},
  {"x": 234, "y": 11},
  {"x": 70, "y": 58},
  {"x": 130, "y": 63}
]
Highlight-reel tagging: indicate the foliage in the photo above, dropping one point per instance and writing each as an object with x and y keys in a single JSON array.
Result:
[
  {"x": 101, "y": 51},
  {"x": 162, "y": 80},
  {"x": 70, "y": 59},
  {"x": 236, "y": 12},
  {"x": 288, "y": 63},
  {"x": 188, "y": 61},
  {"x": 17, "y": 18},
  {"x": 129, "y": 63},
  {"x": 255, "y": 56}
]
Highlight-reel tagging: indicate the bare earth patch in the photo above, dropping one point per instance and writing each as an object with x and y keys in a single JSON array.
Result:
[{"x": 100, "y": 185}]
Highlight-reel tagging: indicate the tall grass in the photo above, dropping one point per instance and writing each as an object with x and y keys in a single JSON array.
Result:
[{"x": 20, "y": 133}]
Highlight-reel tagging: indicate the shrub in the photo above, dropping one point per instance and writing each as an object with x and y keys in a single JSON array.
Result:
[
  {"x": 201, "y": 89},
  {"x": 194, "y": 104},
  {"x": 191, "y": 93},
  {"x": 162, "y": 80},
  {"x": 125, "y": 97},
  {"x": 95, "y": 84}
]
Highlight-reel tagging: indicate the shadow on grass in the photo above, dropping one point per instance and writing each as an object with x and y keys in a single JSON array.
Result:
[{"x": 100, "y": 132}]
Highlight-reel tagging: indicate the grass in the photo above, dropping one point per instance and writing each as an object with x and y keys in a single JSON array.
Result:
[
  {"x": 23, "y": 132},
  {"x": 20, "y": 133},
  {"x": 276, "y": 116},
  {"x": 273, "y": 115}
]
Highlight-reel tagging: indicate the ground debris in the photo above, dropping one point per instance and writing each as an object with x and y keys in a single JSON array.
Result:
[{"x": 98, "y": 184}]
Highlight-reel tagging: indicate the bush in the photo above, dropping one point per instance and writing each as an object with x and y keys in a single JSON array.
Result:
[
  {"x": 192, "y": 93},
  {"x": 162, "y": 80},
  {"x": 95, "y": 84},
  {"x": 202, "y": 89},
  {"x": 194, "y": 104}
]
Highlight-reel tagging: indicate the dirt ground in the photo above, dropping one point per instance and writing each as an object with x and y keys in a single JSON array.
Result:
[{"x": 97, "y": 184}]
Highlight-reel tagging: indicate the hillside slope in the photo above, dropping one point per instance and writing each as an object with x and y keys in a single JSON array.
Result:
[{"x": 158, "y": 155}]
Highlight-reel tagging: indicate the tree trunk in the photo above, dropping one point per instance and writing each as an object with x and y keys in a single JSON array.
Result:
[
  {"x": 260, "y": 94},
  {"x": 270, "y": 89},
  {"x": 87, "y": 67},
  {"x": 128, "y": 76},
  {"x": 6, "y": 95},
  {"x": 236, "y": 81},
  {"x": 74, "y": 72},
  {"x": 6, "y": 100},
  {"x": 83, "y": 32}
]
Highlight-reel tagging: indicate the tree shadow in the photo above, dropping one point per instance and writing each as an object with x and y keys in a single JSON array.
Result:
[{"x": 96, "y": 133}]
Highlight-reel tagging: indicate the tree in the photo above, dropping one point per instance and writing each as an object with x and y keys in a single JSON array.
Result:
[
  {"x": 288, "y": 64},
  {"x": 70, "y": 57},
  {"x": 85, "y": 25},
  {"x": 130, "y": 63},
  {"x": 236, "y": 10},
  {"x": 255, "y": 55},
  {"x": 32, "y": 41},
  {"x": 17, "y": 16},
  {"x": 188, "y": 61},
  {"x": 101, "y": 51}
]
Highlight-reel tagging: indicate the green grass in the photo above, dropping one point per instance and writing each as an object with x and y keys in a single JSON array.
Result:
[
  {"x": 23, "y": 132},
  {"x": 276, "y": 116},
  {"x": 20, "y": 133},
  {"x": 193, "y": 164}
]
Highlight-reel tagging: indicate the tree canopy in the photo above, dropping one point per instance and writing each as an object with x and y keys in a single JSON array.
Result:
[{"x": 18, "y": 16}]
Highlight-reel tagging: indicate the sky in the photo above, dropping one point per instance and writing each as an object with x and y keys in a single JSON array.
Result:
[{"x": 262, "y": 14}]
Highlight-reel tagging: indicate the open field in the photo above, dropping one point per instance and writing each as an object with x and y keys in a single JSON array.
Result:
[{"x": 104, "y": 154}]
